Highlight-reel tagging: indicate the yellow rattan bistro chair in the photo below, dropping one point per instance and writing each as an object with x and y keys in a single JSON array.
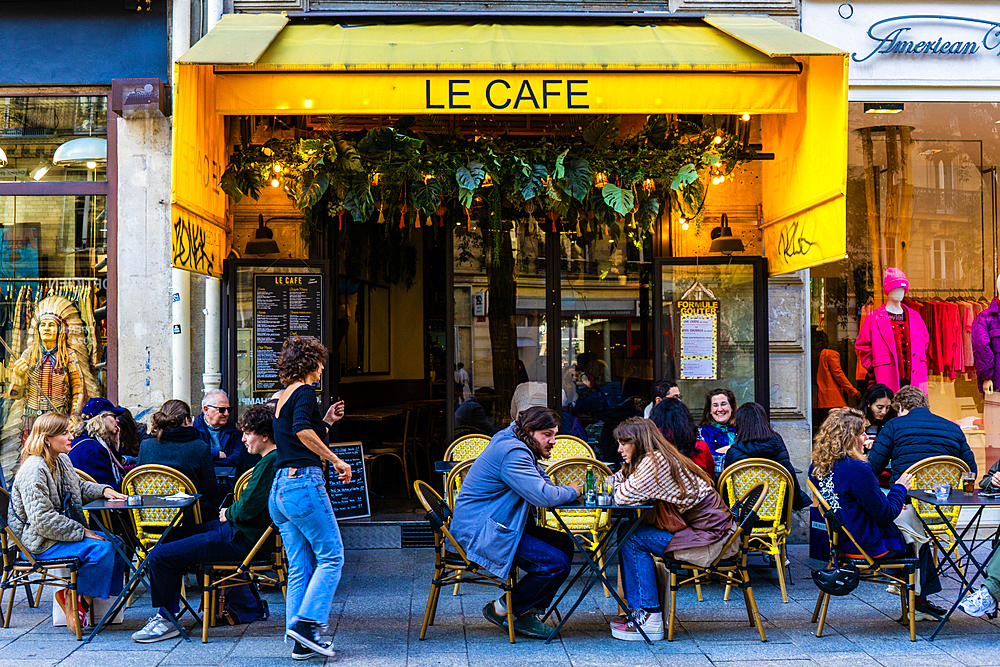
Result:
[
  {"x": 925, "y": 474},
  {"x": 452, "y": 485},
  {"x": 467, "y": 447},
  {"x": 152, "y": 480},
  {"x": 241, "y": 484},
  {"x": 569, "y": 447},
  {"x": 450, "y": 562},
  {"x": 590, "y": 524},
  {"x": 775, "y": 512}
]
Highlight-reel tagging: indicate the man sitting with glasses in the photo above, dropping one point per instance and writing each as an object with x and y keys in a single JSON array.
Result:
[{"x": 218, "y": 430}]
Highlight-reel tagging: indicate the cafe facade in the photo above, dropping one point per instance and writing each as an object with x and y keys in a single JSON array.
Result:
[{"x": 634, "y": 276}]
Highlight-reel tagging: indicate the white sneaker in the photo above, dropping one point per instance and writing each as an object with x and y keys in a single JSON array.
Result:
[
  {"x": 156, "y": 630},
  {"x": 651, "y": 624},
  {"x": 978, "y": 603}
]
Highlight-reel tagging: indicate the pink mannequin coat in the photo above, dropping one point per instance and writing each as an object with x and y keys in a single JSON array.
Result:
[{"x": 876, "y": 348}]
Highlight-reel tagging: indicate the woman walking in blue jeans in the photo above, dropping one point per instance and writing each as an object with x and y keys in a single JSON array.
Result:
[{"x": 299, "y": 504}]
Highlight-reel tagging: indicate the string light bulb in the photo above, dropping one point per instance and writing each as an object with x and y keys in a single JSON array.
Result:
[
  {"x": 600, "y": 179},
  {"x": 684, "y": 224},
  {"x": 745, "y": 116},
  {"x": 718, "y": 139},
  {"x": 277, "y": 167},
  {"x": 274, "y": 183}
]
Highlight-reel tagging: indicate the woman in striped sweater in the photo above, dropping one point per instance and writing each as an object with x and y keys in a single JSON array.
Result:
[{"x": 690, "y": 516}]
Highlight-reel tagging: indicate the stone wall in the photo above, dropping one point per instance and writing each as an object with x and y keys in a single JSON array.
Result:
[{"x": 144, "y": 364}]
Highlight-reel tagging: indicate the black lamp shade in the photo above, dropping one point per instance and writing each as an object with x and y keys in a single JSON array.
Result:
[
  {"x": 263, "y": 242},
  {"x": 723, "y": 240}
]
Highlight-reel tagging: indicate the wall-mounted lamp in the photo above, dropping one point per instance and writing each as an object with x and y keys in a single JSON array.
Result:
[
  {"x": 723, "y": 240},
  {"x": 82, "y": 152},
  {"x": 3, "y": 158},
  {"x": 263, "y": 242},
  {"x": 883, "y": 107}
]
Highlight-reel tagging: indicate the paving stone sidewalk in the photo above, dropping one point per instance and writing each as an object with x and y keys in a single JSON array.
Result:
[{"x": 380, "y": 603}]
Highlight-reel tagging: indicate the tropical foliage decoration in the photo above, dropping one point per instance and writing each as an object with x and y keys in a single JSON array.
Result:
[{"x": 596, "y": 184}]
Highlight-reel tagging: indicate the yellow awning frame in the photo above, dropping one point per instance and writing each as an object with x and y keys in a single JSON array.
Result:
[{"x": 261, "y": 64}]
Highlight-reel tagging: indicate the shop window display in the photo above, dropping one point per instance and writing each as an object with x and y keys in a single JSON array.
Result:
[
  {"x": 53, "y": 287},
  {"x": 921, "y": 201}
]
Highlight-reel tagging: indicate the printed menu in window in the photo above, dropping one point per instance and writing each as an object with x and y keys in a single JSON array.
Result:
[
  {"x": 285, "y": 304},
  {"x": 699, "y": 324}
]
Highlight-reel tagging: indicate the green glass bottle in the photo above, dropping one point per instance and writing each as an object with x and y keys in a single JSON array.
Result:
[{"x": 590, "y": 484}]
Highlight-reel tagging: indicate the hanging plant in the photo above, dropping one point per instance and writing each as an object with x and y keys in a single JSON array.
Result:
[{"x": 366, "y": 179}]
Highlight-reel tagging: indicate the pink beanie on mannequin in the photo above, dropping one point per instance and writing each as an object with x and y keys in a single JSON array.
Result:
[{"x": 894, "y": 279}]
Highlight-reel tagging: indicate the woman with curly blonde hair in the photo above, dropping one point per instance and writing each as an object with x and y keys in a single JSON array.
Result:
[{"x": 841, "y": 472}]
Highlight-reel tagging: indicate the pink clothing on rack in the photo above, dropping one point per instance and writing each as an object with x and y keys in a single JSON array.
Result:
[{"x": 876, "y": 348}]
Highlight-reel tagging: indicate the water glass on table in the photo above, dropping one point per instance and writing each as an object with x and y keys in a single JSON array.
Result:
[{"x": 942, "y": 490}]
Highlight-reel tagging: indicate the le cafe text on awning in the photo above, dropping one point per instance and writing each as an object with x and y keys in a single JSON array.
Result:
[{"x": 263, "y": 64}]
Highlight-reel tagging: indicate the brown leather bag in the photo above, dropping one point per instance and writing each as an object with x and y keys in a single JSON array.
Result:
[{"x": 666, "y": 517}]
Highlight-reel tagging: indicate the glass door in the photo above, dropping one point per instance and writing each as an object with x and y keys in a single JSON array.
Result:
[{"x": 712, "y": 331}]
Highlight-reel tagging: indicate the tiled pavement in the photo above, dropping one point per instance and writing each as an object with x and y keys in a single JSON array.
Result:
[{"x": 379, "y": 606}]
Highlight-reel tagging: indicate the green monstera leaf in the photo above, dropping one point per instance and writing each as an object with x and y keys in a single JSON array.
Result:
[
  {"x": 426, "y": 196},
  {"x": 578, "y": 178},
  {"x": 469, "y": 178},
  {"x": 533, "y": 184},
  {"x": 620, "y": 200},
  {"x": 685, "y": 176}
]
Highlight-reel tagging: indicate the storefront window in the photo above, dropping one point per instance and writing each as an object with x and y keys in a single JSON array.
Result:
[
  {"x": 500, "y": 333},
  {"x": 54, "y": 138},
  {"x": 920, "y": 199},
  {"x": 53, "y": 298},
  {"x": 607, "y": 364}
]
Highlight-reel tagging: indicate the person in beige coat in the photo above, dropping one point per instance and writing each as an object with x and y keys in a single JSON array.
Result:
[{"x": 46, "y": 514}]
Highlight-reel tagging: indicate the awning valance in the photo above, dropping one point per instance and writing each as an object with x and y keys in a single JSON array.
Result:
[{"x": 262, "y": 64}]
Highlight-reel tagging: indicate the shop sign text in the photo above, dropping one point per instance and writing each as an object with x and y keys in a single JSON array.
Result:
[
  {"x": 908, "y": 35},
  {"x": 527, "y": 94}
]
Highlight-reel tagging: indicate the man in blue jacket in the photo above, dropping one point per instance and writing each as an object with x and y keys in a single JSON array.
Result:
[
  {"x": 491, "y": 519},
  {"x": 915, "y": 435}
]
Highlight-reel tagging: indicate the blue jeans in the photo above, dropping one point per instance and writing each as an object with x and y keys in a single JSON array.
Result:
[
  {"x": 638, "y": 572},
  {"x": 102, "y": 572},
  {"x": 545, "y": 555},
  {"x": 300, "y": 508}
]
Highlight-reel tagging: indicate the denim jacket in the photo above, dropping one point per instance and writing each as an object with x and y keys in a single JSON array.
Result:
[{"x": 498, "y": 493}]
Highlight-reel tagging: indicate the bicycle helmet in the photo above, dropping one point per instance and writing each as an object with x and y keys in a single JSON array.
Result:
[{"x": 837, "y": 579}]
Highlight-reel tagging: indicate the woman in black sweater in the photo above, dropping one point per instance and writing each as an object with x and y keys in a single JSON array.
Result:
[
  {"x": 175, "y": 443},
  {"x": 299, "y": 504},
  {"x": 756, "y": 439}
]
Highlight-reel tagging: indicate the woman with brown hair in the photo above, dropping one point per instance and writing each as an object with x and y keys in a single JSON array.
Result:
[
  {"x": 176, "y": 443},
  {"x": 841, "y": 472},
  {"x": 299, "y": 503},
  {"x": 46, "y": 514},
  {"x": 690, "y": 514}
]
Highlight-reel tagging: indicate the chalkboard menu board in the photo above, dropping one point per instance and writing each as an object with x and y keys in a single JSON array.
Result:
[
  {"x": 285, "y": 304},
  {"x": 350, "y": 501}
]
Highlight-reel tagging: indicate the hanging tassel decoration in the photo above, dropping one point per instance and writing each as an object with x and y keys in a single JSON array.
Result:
[
  {"x": 416, "y": 224},
  {"x": 402, "y": 208},
  {"x": 340, "y": 221},
  {"x": 381, "y": 216},
  {"x": 552, "y": 216},
  {"x": 440, "y": 212}
]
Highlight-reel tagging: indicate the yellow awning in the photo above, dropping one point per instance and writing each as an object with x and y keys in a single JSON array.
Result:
[
  {"x": 237, "y": 39},
  {"x": 259, "y": 64},
  {"x": 511, "y": 47}
]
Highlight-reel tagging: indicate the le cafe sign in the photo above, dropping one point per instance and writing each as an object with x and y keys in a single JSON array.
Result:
[{"x": 921, "y": 34}]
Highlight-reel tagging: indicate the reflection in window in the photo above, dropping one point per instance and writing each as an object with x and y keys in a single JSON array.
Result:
[
  {"x": 53, "y": 298},
  {"x": 364, "y": 327},
  {"x": 54, "y": 138}
]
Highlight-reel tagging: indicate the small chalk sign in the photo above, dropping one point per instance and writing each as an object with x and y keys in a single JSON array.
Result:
[{"x": 350, "y": 501}]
